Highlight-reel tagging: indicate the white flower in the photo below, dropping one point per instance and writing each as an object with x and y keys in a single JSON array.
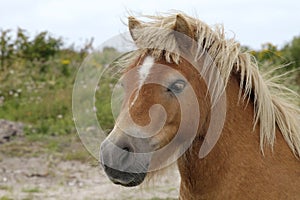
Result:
[
  {"x": 59, "y": 116},
  {"x": 94, "y": 109}
]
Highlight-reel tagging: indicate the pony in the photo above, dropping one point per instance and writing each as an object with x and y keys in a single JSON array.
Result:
[{"x": 184, "y": 76}]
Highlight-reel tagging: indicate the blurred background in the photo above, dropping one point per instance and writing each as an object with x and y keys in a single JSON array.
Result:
[{"x": 43, "y": 43}]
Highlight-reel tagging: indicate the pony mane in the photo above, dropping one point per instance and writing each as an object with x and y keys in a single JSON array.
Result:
[{"x": 272, "y": 108}]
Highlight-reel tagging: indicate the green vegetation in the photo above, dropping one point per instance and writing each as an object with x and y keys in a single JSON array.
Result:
[
  {"x": 285, "y": 60},
  {"x": 36, "y": 82},
  {"x": 61, "y": 147},
  {"x": 4, "y": 187},
  {"x": 31, "y": 190},
  {"x": 5, "y": 198},
  {"x": 37, "y": 75}
]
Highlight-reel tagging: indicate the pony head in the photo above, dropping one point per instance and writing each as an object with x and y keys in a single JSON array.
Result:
[{"x": 164, "y": 96}]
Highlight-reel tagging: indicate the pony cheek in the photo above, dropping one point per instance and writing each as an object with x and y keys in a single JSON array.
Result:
[{"x": 164, "y": 137}]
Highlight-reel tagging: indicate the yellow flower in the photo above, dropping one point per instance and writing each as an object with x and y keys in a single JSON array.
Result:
[{"x": 65, "y": 62}]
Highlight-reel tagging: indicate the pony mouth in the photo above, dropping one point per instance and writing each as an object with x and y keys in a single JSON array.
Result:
[
  {"x": 131, "y": 183},
  {"x": 124, "y": 178}
]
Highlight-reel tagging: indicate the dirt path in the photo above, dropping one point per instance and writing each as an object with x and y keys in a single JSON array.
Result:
[{"x": 45, "y": 176}]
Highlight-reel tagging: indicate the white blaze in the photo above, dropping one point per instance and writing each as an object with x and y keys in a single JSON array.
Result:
[
  {"x": 143, "y": 74},
  {"x": 145, "y": 69}
]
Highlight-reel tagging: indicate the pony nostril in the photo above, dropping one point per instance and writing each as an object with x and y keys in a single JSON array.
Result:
[{"x": 128, "y": 149}]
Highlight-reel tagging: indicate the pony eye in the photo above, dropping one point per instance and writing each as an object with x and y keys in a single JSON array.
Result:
[{"x": 177, "y": 86}]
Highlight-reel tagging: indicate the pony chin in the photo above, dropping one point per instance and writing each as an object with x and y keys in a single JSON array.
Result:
[{"x": 126, "y": 179}]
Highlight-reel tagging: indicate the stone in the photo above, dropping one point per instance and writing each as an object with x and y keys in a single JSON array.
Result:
[{"x": 9, "y": 129}]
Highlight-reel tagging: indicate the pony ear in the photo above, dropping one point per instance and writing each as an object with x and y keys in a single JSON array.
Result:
[
  {"x": 182, "y": 26},
  {"x": 183, "y": 33},
  {"x": 133, "y": 24}
]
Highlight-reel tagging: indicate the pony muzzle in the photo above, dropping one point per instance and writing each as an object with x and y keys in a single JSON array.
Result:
[{"x": 122, "y": 164}]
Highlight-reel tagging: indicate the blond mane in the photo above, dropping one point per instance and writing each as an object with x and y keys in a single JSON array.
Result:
[{"x": 272, "y": 108}]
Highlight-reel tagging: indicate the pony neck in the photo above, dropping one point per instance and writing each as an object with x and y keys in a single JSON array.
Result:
[{"x": 236, "y": 150}]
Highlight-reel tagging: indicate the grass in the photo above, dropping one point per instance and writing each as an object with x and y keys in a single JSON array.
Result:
[
  {"x": 44, "y": 101},
  {"x": 5, "y": 187},
  {"x": 63, "y": 147},
  {"x": 5, "y": 198},
  {"x": 79, "y": 155},
  {"x": 45, "y": 110},
  {"x": 31, "y": 190}
]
